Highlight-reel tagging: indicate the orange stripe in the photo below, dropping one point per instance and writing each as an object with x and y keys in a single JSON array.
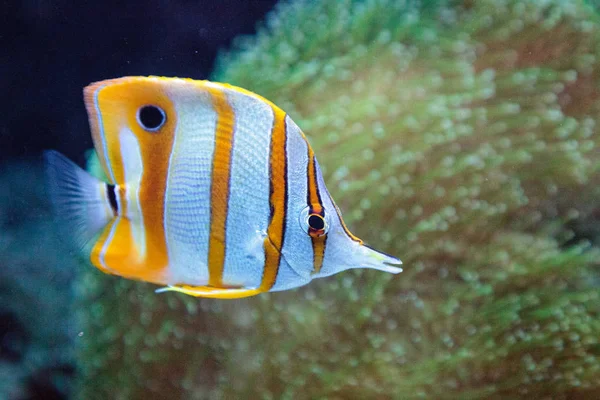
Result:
[
  {"x": 273, "y": 243},
  {"x": 318, "y": 244},
  {"x": 119, "y": 104},
  {"x": 219, "y": 190},
  {"x": 315, "y": 207},
  {"x": 314, "y": 198}
]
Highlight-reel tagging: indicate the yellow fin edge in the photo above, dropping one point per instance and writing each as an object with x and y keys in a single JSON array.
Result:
[{"x": 210, "y": 292}]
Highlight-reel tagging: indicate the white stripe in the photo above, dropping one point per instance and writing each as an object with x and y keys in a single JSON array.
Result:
[
  {"x": 133, "y": 168},
  {"x": 248, "y": 207},
  {"x": 111, "y": 174},
  {"x": 109, "y": 239},
  {"x": 187, "y": 196},
  {"x": 171, "y": 256}
]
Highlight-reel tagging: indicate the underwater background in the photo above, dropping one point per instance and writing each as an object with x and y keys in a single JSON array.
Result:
[{"x": 460, "y": 136}]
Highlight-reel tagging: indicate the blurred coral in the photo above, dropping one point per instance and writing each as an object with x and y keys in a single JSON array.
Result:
[{"x": 461, "y": 138}]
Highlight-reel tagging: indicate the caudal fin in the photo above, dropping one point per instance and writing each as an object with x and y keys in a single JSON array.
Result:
[{"x": 79, "y": 200}]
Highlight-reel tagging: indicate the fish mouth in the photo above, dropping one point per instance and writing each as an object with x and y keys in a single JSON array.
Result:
[{"x": 375, "y": 259}]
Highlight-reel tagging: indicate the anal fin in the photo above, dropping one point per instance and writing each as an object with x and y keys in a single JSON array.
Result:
[{"x": 211, "y": 292}]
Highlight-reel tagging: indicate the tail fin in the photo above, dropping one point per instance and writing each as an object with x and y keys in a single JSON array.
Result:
[{"x": 79, "y": 200}]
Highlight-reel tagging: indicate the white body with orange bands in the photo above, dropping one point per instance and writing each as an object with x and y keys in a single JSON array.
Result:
[{"x": 213, "y": 191}]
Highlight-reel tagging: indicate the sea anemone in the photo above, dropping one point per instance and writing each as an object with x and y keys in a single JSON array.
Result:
[{"x": 457, "y": 135}]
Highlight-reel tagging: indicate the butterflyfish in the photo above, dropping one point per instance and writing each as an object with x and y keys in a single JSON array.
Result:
[{"x": 212, "y": 191}]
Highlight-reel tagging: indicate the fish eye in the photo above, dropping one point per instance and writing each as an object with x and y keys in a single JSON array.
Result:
[
  {"x": 151, "y": 117},
  {"x": 315, "y": 224}
]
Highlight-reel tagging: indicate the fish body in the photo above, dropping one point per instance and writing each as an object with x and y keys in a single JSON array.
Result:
[{"x": 212, "y": 191}]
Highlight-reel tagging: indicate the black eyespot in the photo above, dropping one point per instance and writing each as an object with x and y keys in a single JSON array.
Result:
[
  {"x": 316, "y": 222},
  {"x": 151, "y": 118}
]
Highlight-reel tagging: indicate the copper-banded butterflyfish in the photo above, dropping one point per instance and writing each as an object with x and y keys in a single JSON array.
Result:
[{"x": 211, "y": 190}]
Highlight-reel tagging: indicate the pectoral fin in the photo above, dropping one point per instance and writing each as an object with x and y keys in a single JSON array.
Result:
[{"x": 211, "y": 292}]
